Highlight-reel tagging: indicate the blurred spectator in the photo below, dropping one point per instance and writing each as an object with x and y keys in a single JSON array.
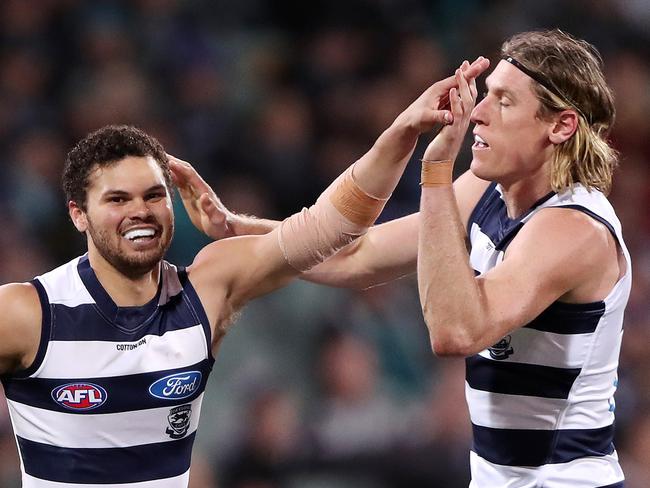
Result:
[
  {"x": 270, "y": 100},
  {"x": 270, "y": 445}
]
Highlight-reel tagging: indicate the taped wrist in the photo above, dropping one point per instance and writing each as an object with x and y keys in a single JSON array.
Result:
[
  {"x": 341, "y": 214},
  {"x": 436, "y": 173}
]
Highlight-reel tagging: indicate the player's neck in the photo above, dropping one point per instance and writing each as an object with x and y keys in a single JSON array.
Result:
[
  {"x": 522, "y": 194},
  {"x": 126, "y": 291}
]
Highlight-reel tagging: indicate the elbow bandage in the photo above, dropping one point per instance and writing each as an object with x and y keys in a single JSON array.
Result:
[{"x": 341, "y": 214}]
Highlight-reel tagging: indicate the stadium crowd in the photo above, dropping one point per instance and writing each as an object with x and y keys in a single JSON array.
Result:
[{"x": 313, "y": 387}]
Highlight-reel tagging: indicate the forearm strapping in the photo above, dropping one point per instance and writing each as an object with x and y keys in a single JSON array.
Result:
[{"x": 342, "y": 213}]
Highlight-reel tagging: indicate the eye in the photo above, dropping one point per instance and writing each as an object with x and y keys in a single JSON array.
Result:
[
  {"x": 116, "y": 199},
  {"x": 155, "y": 196}
]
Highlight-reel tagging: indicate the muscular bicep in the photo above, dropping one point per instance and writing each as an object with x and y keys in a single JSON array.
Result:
[
  {"x": 20, "y": 326},
  {"x": 228, "y": 273},
  {"x": 265, "y": 267},
  {"x": 560, "y": 254}
]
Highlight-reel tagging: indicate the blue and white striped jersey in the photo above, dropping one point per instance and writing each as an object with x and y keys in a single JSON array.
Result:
[
  {"x": 114, "y": 395},
  {"x": 541, "y": 400}
]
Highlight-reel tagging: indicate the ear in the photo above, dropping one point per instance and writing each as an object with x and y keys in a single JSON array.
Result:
[
  {"x": 564, "y": 126},
  {"x": 78, "y": 216}
]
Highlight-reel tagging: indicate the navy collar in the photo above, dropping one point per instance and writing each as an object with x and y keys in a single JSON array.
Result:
[
  {"x": 509, "y": 228},
  {"x": 128, "y": 318}
]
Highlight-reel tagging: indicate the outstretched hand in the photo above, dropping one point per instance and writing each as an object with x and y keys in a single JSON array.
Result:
[
  {"x": 461, "y": 99},
  {"x": 430, "y": 109},
  {"x": 205, "y": 209},
  {"x": 433, "y": 106}
]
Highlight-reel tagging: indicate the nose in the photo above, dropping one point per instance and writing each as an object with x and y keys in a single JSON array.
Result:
[
  {"x": 139, "y": 209},
  {"x": 478, "y": 115}
]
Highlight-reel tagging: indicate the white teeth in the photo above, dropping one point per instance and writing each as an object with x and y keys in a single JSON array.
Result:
[
  {"x": 479, "y": 140},
  {"x": 137, "y": 233}
]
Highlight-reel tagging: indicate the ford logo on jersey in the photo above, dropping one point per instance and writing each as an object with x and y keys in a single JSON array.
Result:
[
  {"x": 79, "y": 396},
  {"x": 176, "y": 386}
]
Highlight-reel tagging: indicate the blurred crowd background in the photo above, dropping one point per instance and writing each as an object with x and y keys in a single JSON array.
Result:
[{"x": 270, "y": 100}]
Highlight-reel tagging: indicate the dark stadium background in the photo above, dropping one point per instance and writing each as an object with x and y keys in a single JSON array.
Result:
[{"x": 313, "y": 387}]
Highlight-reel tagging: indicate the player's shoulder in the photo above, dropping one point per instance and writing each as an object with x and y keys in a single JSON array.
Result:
[
  {"x": 223, "y": 262},
  {"x": 20, "y": 324},
  {"x": 565, "y": 231},
  {"x": 18, "y": 298},
  {"x": 570, "y": 223},
  {"x": 231, "y": 252},
  {"x": 21, "y": 308}
]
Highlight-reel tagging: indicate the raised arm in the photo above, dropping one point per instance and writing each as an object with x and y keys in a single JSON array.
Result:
[
  {"x": 559, "y": 254},
  {"x": 389, "y": 251},
  {"x": 385, "y": 253},
  {"x": 241, "y": 268}
]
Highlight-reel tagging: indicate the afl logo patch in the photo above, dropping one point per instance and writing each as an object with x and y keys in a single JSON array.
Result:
[
  {"x": 79, "y": 396},
  {"x": 177, "y": 386}
]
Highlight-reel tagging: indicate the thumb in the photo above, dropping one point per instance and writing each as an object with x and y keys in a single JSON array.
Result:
[{"x": 441, "y": 117}]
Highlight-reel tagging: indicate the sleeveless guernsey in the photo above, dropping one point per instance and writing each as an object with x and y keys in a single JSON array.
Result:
[
  {"x": 114, "y": 395},
  {"x": 541, "y": 400}
]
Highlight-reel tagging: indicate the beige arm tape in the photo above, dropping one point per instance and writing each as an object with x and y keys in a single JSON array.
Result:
[
  {"x": 341, "y": 214},
  {"x": 437, "y": 173}
]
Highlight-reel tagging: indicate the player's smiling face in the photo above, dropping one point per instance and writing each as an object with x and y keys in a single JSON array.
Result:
[
  {"x": 129, "y": 217},
  {"x": 510, "y": 140}
]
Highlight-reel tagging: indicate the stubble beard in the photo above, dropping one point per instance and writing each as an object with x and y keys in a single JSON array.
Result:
[{"x": 136, "y": 263}]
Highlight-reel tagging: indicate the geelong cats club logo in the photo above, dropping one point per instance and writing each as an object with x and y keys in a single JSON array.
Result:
[
  {"x": 179, "y": 421},
  {"x": 79, "y": 396},
  {"x": 502, "y": 349}
]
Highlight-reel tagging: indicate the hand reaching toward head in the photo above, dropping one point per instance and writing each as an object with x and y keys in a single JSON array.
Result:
[
  {"x": 430, "y": 109},
  {"x": 205, "y": 209},
  {"x": 461, "y": 99}
]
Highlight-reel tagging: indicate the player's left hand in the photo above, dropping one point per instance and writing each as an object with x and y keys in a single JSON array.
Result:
[{"x": 462, "y": 98}]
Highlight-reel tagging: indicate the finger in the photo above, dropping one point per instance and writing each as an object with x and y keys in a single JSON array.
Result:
[
  {"x": 176, "y": 171},
  {"x": 206, "y": 204},
  {"x": 181, "y": 171},
  {"x": 477, "y": 67},
  {"x": 210, "y": 203},
  {"x": 178, "y": 164},
  {"x": 441, "y": 88},
  {"x": 456, "y": 105},
  {"x": 464, "y": 90},
  {"x": 471, "y": 71},
  {"x": 209, "y": 206},
  {"x": 472, "y": 88},
  {"x": 187, "y": 175},
  {"x": 443, "y": 103},
  {"x": 212, "y": 208},
  {"x": 175, "y": 177}
]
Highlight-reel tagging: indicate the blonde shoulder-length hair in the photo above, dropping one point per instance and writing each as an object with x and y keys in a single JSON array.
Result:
[{"x": 571, "y": 76}]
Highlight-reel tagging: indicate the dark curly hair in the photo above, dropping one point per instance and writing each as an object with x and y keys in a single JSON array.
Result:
[{"x": 104, "y": 147}]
